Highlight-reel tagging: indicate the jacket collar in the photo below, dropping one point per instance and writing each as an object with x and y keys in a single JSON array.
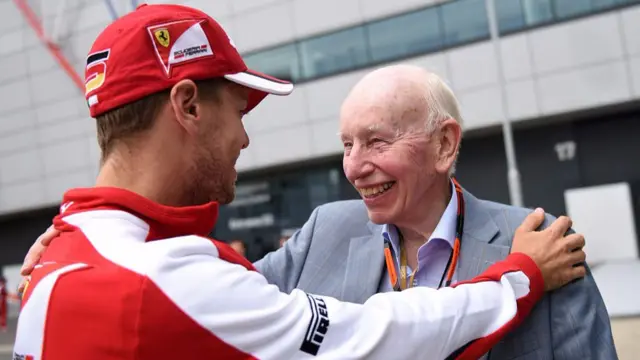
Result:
[{"x": 163, "y": 221}]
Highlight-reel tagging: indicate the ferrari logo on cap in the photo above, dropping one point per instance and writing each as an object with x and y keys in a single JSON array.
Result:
[
  {"x": 188, "y": 42},
  {"x": 162, "y": 35}
]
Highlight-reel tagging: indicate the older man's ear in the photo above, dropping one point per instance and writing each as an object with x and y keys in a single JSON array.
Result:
[{"x": 447, "y": 137}]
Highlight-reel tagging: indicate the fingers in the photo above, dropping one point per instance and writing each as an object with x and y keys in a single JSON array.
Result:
[
  {"x": 560, "y": 226},
  {"x": 46, "y": 238},
  {"x": 22, "y": 286},
  {"x": 32, "y": 258},
  {"x": 573, "y": 242},
  {"x": 577, "y": 272},
  {"x": 576, "y": 257},
  {"x": 566, "y": 274},
  {"x": 575, "y": 267},
  {"x": 36, "y": 250},
  {"x": 532, "y": 221}
]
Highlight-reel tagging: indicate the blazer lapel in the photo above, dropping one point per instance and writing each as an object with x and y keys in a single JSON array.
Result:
[
  {"x": 477, "y": 252},
  {"x": 364, "y": 266}
]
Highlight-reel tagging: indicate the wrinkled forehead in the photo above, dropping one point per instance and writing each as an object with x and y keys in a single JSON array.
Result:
[
  {"x": 366, "y": 118},
  {"x": 389, "y": 114}
]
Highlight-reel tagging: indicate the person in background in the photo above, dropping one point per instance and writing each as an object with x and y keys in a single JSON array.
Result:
[
  {"x": 283, "y": 240},
  {"x": 286, "y": 235},
  {"x": 239, "y": 247},
  {"x": 4, "y": 297}
]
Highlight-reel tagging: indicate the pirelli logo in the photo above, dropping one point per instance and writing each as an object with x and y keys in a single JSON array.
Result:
[{"x": 318, "y": 326}]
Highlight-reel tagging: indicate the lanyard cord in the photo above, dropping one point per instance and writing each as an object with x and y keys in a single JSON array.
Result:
[{"x": 451, "y": 263}]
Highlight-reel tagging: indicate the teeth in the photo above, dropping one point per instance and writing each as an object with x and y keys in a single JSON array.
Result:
[{"x": 375, "y": 190}]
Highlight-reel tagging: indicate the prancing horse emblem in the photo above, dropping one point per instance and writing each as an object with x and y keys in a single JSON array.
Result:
[{"x": 162, "y": 35}]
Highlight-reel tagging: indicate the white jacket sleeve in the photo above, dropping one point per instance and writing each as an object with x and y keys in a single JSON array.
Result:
[{"x": 240, "y": 308}]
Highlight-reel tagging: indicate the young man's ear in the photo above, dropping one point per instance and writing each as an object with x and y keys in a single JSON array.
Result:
[{"x": 185, "y": 105}]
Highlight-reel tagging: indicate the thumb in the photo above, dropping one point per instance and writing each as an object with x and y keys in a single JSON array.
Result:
[{"x": 532, "y": 221}]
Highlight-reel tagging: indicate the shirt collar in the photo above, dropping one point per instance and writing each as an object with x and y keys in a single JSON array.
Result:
[
  {"x": 164, "y": 221},
  {"x": 445, "y": 230}
]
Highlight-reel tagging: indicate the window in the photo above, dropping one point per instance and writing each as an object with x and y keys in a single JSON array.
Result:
[
  {"x": 510, "y": 15},
  {"x": 333, "y": 53},
  {"x": 607, "y": 4},
  {"x": 281, "y": 62},
  {"x": 571, "y": 8},
  {"x": 324, "y": 186},
  {"x": 405, "y": 35},
  {"x": 294, "y": 205},
  {"x": 514, "y": 15},
  {"x": 433, "y": 28},
  {"x": 464, "y": 21},
  {"x": 537, "y": 12}
]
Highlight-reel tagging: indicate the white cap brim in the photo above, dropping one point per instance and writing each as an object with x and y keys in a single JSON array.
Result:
[{"x": 261, "y": 82}]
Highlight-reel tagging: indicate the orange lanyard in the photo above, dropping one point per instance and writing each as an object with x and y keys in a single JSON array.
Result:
[
  {"x": 404, "y": 267},
  {"x": 453, "y": 257}
]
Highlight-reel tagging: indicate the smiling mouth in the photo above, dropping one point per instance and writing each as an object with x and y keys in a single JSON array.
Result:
[{"x": 375, "y": 191}]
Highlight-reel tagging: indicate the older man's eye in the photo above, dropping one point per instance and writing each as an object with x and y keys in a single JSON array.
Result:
[{"x": 347, "y": 144}]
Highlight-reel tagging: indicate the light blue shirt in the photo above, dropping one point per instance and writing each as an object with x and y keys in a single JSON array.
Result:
[{"x": 433, "y": 255}]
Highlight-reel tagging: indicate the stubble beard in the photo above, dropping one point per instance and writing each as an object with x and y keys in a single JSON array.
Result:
[{"x": 210, "y": 179}]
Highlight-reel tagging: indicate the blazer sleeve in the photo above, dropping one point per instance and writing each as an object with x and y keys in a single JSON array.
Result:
[
  {"x": 580, "y": 326},
  {"x": 283, "y": 267}
]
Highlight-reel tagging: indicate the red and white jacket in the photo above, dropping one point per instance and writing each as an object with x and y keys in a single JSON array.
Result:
[{"x": 131, "y": 279}]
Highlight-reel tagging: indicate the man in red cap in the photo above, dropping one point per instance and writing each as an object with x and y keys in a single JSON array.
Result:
[{"x": 133, "y": 276}]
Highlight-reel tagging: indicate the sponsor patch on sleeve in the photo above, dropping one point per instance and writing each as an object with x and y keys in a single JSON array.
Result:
[{"x": 318, "y": 326}]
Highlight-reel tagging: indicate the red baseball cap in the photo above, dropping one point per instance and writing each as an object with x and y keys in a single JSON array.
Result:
[{"x": 154, "y": 47}]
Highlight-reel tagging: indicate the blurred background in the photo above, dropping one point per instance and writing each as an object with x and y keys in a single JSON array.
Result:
[{"x": 563, "y": 74}]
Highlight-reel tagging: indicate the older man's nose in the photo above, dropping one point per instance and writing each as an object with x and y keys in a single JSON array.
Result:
[{"x": 357, "y": 168}]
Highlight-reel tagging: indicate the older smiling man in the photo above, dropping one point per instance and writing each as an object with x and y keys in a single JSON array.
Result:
[{"x": 400, "y": 127}]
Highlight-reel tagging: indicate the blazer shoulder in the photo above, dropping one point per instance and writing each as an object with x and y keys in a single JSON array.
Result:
[
  {"x": 349, "y": 218},
  {"x": 508, "y": 210},
  {"x": 347, "y": 210},
  {"x": 510, "y": 217}
]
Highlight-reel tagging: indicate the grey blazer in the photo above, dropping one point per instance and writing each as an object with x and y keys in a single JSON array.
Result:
[{"x": 339, "y": 253}]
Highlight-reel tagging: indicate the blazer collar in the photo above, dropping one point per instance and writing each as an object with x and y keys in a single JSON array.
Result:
[
  {"x": 478, "y": 251},
  {"x": 478, "y": 223}
]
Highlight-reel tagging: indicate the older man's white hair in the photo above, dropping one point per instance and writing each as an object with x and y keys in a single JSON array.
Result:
[{"x": 443, "y": 104}]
